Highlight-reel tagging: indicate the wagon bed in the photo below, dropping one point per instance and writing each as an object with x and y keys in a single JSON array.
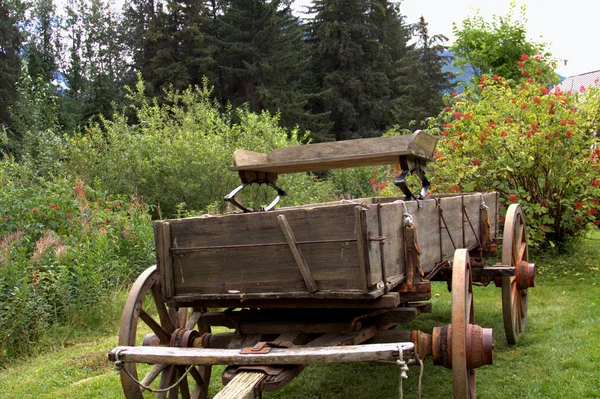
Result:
[{"x": 346, "y": 250}]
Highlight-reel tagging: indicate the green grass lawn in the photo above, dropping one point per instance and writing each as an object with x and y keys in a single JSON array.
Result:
[{"x": 557, "y": 357}]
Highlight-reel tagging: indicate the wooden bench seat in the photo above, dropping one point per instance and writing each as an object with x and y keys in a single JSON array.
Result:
[{"x": 338, "y": 154}]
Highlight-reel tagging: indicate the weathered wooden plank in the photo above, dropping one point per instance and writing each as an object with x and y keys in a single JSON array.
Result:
[
  {"x": 162, "y": 238},
  {"x": 296, "y": 355},
  {"x": 242, "y": 386},
  {"x": 334, "y": 223},
  {"x": 361, "y": 246},
  {"x": 334, "y": 266},
  {"x": 339, "y": 154},
  {"x": 393, "y": 250},
  {"x": 311, "y": 285},
  {"x": 277, "y": 295},
  {"x": 370, "y": 231},
  {"x": 390, "y": 300}
]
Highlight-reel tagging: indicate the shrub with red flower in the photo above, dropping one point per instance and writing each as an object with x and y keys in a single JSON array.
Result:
[{"x": 526, "y": 142}]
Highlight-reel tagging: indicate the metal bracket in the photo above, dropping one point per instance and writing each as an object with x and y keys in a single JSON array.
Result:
[
  {"x": 231, "y": 196},
  {"x": 410, "y": 165},
  {"x": 260, "y": 348}
]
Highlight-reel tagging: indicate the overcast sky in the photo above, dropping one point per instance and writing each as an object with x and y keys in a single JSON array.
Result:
[{"x": 569, "y": 27}]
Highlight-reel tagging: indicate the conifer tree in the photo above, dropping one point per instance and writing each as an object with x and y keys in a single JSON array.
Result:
[
  {"x": 422, "y": 78},
  {"x": 263, "y": 61},
  {"x": 43, "y": 43},
  {"x": 11, "y": 38},
  {"x": 355, "y": 47}
]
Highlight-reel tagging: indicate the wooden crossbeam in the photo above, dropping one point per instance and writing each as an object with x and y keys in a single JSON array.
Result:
[{"x": 296, "y": 355}]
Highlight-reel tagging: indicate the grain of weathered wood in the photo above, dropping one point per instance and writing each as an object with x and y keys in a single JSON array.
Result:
[
  {"x": 311, "y": 285},
  {"x": 242, "y": 386},
  {"x": 393, "y": 250},
  {"x": 370, "y": 235},
  {"x": 390, "y": 300},
  {"x": 162, "y": 237},
  {"x": 339, "y": 154},
  {"x": 361, "y": 245},
  {"x": 296, "y": 355}
]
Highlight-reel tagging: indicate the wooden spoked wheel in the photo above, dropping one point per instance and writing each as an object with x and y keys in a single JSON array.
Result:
[
  {"x": 464, "y": 379},
  {"x": 514, "y": 253},
  {"x": 144, "y": 304}
]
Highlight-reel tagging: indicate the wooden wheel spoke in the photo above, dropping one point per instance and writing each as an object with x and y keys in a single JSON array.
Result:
[
  {"x": 193, "y": 320},
  {"x": 160, "y": 332},
  {"x": 165, "y": 319},
  {"x": 197, "y": 376},
  {"x": 166, "y": 378},
  {"x": 153, "y": 373},
  {"x": 183, "y": 386},
  {"x": 162, "y": 322}
]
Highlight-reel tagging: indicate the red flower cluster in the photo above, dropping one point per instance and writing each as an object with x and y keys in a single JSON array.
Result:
[
  {"x": 536, "y": 99},
  {"x": 544, "y": 90},
  {"x": 513, "y": 198},
  {"x": 579, "y": 205},
  {"x": 80, "y": 190},
  {"x": 524, "y": 57}
]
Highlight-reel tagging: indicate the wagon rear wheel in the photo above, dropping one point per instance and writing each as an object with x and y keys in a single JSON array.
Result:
[
  {"x": 463, "y": 378},
  {"x": 144, "y": 303},
  {"x": 514, "y": 288}
]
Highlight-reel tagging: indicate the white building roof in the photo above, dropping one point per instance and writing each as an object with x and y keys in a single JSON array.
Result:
[{"x": 576, "y": 82}]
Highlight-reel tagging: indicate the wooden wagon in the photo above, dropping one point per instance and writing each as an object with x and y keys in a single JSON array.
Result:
[{"x": 320, "y": 283}]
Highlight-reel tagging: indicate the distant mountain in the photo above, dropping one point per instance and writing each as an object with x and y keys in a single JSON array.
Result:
[{"x": 462, "y": 75}]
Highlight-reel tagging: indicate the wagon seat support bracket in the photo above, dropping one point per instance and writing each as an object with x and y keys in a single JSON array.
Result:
[
  {"x": 249, "y": 178},
  {"x": 412, "y": 165}
]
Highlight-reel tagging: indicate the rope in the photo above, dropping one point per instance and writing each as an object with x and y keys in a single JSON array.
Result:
[
  {"x": 403, "y": 368},
  {"x": 420, "y": 377},
  {"x": 119, "y": 367}
]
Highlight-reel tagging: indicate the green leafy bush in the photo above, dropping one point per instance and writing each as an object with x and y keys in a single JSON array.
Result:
[
  {"x": 534, "y": 146},
  {"x": 178, "y": 154},
  {"x": 64, "y": 248}
]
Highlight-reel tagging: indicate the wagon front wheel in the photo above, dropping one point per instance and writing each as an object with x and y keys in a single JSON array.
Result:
[
  {"x": 159, "y": 326},
  {"x": 515, "y": 253},
  {"x": 463, "y": 377},
  {"x": 462, "y": 346}
]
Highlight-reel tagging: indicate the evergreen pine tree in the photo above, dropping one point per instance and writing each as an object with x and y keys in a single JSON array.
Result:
[
  {"x": 11, "y": 38},
  {"x": 355, "y": 47},
  {"x": 263, "y": 61},
  {"x": 423, "y": 79},
  {"x": 43, "y": 45}
]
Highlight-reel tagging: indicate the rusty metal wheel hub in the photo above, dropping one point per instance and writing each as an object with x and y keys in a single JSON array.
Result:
[
  {"x": 479, "y": 347},
  {"x": 525, "y": 275}
]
